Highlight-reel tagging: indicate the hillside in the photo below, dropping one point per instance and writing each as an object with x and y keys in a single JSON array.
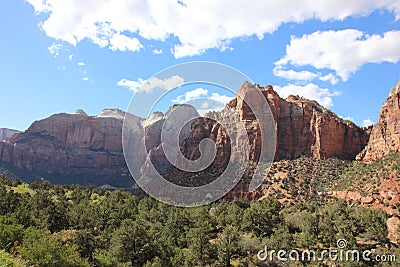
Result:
[{"x": 77, "y": 226}]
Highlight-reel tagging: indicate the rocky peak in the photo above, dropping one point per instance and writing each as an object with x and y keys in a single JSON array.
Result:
[
  {"x": 395, "y": 90},
  {"x": 112, "y": 113},
  {"x": 155, "y": 117},
  {"x": 80, "y": 112},
  {"x": 77, "y": 145},
  {"x": 385, "y": 135},
  {"x": 303, "y": 127}
]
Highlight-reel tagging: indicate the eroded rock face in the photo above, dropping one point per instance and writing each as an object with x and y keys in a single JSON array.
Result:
[
  {"x": 303, "y": 128},
  {"x": 74, "y": 148},
  {"x": 385, "y": 135},
  {"x": 88, "y": 149}
]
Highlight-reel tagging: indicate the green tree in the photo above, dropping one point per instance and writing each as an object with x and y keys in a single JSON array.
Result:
[
  {"x": 230, "y": 213},
  {"x": 228, "y": 244},
  {"x": 178, "y": 218},
  {"x": 87, "y": 243},
  {"x": 42, "y": 248},
  {"x": 263, "y": 217},
  {"x": 83, "y": 215},
  {"x": 44, "y": 210},
  {"x": 9, "y": 200},
  {"x": 336, "y": 222},
  {"x": 10, "y": 231},
  {"x": 131, "y": 243},
  {"x": 199, "y": 245},
  {"x": 372, "y": 224},
  {"x": 304, "y": 224}
]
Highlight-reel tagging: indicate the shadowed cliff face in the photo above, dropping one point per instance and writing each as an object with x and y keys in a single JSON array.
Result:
[
  {"x": 70, "y": 148},
  {"x": 385, "y": 135},
  {"x": 77, "y": 148}
]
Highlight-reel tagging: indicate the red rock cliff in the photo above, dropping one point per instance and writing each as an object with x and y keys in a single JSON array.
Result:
[
  {"x": 385, "y": 135},
  {"x": 71, "y": 145},
  {"x": 303, "y": 128}
]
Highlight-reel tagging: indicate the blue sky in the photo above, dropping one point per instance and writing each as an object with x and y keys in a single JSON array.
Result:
[{"x": 58, "y": 56}]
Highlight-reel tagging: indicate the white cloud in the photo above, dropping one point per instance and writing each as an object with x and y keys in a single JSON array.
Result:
[
  {"x": 101, "y": 20},
  {"x": 191, "y": 95},
  {"x": 154, "y": 82},
  {"x": 202, "y": 100},
  {"x": 343, "y": 51},
  {"x": 134, "y": 86},
  {"x": 166, "y": 84},
  {"x": 223, "y": 99},
  {"x": 367, "y": 122},
  {"x": 54, "y": 49},
  {"x": 295, "y": 75},
  {"x": 84, "y": 71},
  {"x": 209, "y": 105},
  {"x": 305, "y": 76},
  {"x": 157, "y": 51},
  {"x": 310, "y": 91},
  {"x": 348, "y": 118},
  {"x": 215, "y": 99},
  {"x": 180, "y": 51},
  {"x": 123, "y": 43},
  {"x": 40, "y": 6},
  {"x": 330, "y": 77}
]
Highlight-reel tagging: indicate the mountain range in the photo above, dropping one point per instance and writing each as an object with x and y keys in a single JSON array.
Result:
[{"x": 77, "y": 148}]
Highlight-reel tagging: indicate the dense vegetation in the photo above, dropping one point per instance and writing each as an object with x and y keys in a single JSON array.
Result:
[{"x": 53, "y": 225}]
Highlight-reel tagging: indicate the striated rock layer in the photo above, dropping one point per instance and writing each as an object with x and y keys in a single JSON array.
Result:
[
  {"x": 303, "y": 127},
  {"x": 71, "y": 148},
  {"x": 385, "y": 135},
  {"x": 77, "y": 148}
]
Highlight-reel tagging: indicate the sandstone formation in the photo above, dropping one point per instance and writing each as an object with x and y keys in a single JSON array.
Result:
[
  {"x": 303, "y": 128},
  {"x": 77, "y": 148},
  {"x": 385, "y": 135},
  {"x": 153, "y": 141},
  {"x": 71, "y": 148}
]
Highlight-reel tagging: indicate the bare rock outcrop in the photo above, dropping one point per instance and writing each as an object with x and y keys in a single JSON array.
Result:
[
  {"x": 77, "y": 148},
  {"x": 385, "y": 135},
  {"x": 303, "y": 128},
  {"x": 71, "y": 148}
]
